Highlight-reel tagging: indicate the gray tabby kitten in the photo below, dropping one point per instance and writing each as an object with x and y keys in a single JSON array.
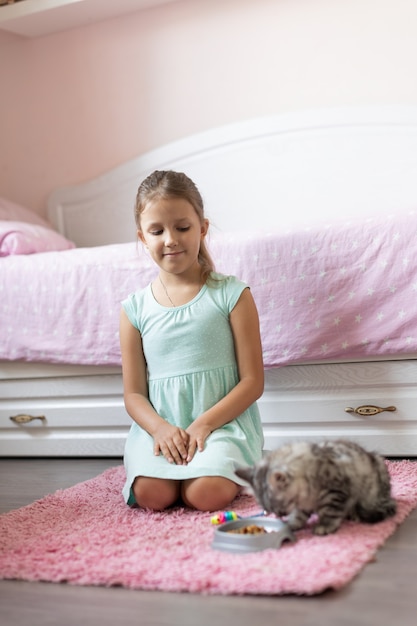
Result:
[{"x": 337, "y": 480}]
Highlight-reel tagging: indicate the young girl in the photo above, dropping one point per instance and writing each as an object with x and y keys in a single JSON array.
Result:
[{"x": 192, "y": 361}]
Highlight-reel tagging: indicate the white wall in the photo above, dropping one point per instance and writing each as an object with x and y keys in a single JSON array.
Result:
[{"x": 76, "y": 104}]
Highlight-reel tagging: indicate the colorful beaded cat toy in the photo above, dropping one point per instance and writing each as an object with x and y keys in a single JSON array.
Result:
[
  {"x": 226, "y": 516},
  {"x": 230, "y": 516}
]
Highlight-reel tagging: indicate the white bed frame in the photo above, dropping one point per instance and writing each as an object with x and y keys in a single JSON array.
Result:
[{"x": 295, "y": 168}]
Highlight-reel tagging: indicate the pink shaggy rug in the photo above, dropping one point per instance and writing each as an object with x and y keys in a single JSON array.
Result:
[{"x": 86, "y": 535}]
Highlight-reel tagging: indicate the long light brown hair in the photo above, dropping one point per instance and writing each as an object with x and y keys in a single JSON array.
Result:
[{"x": 170, "y": 184}]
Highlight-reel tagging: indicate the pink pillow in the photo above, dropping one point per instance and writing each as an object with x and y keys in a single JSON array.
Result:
[
  {"x": 23, "y": 238},
  {"x": 16, "y": 213}
]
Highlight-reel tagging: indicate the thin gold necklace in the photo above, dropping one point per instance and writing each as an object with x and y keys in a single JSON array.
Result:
[{"x": 165, "y": 289}]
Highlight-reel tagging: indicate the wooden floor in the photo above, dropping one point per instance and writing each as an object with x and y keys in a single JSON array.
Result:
[{"x": 385, "y": 593}]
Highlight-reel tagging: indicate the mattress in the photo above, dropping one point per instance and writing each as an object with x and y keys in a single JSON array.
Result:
[{"x": 331, "y": 291}]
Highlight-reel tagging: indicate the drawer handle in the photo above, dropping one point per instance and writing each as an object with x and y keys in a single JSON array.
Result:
[
  {"x": 370, "y": 409},
  {"x": 25, "y": 419}
]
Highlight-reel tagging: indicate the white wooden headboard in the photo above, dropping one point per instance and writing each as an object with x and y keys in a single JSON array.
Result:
[{"x": 267, "y": 172}]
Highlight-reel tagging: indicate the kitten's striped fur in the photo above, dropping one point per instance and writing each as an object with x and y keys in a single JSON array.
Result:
[{"x": 336, "y": 480}]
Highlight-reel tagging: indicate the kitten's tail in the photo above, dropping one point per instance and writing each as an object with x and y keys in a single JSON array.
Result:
[{"x": 383, "y": 510}]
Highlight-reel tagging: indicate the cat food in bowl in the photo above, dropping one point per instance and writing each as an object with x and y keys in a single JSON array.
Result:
[{"x": 251, "y": 535}]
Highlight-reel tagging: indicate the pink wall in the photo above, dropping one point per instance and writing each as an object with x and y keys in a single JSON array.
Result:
[{"x": 76, "y": 104}]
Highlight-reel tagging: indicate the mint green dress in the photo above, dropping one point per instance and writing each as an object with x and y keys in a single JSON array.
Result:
[{"x": 191, "y": 365}]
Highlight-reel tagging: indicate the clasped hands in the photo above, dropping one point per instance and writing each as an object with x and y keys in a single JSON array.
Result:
[{"x": 178, "y": 445}]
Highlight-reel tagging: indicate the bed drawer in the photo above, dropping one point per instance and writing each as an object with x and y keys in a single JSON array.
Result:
[
  {"x": 80, "y": 411},
  {"x": 343, "y": 400},
  {"x": 63, "y": 416}
]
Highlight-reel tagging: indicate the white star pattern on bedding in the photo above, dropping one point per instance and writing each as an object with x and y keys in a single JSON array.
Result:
[{"x": 330, "y": 291}]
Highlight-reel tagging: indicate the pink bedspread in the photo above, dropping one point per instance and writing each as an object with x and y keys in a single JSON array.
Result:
[{"x": 341, "y": 291}]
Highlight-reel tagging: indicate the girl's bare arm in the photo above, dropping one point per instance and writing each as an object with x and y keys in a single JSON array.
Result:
[{"x": 168, "y": 439}]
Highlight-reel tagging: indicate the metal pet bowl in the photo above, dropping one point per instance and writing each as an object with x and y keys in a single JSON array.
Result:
[{"x": 276, "y": 533}]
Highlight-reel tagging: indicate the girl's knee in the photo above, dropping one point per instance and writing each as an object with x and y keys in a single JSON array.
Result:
[
  {"x": 209, "y": 493},
  {"x": 155, "y": 493}
]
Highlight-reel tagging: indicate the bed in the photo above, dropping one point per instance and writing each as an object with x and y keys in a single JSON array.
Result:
[{"x": 316, "y": 210}]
